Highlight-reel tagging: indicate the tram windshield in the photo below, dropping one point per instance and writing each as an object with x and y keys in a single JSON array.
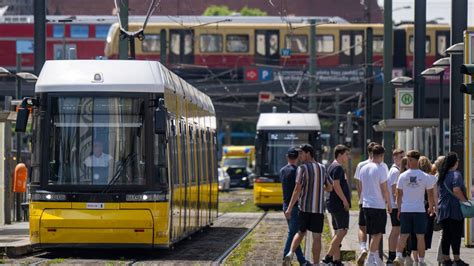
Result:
[
  {"x": 277, "y": 147},
  {"x": 97, "y": 141}
]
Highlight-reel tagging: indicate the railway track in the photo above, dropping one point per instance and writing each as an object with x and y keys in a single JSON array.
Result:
[{"x": 209, "y": 247}]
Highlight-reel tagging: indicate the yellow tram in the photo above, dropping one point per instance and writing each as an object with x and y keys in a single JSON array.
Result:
[{"x": 124, "y": 155}]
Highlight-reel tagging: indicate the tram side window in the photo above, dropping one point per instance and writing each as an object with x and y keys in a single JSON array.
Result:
[
  {"x": 378, "y": 44},
  {"x": 151, "y": 43},
  {"x": 160, "y": 172},
  {"x": 35, "y": 158},
  {"x": 324, "y": 43},
  {"x": 237, "y": 43},
  {"x": 411, "y": 44},
  {"x": 210, "y": 43},
  {"x": 97, "y": 141},
  {"x": 297, "y": 43}
]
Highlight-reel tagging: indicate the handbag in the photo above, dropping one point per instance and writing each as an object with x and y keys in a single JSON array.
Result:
[{"x": 467, "y": 208}]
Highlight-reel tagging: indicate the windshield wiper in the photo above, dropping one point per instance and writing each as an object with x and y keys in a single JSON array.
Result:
[{"x": 119, "y": 171}]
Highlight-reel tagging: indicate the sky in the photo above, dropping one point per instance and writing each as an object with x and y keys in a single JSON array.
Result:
[{"x": 434, "y": 9}]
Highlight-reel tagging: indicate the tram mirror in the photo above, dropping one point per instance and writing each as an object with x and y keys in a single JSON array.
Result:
[
  {"x": 22, "y": 117},
  {"x": 161, "y": 118}
]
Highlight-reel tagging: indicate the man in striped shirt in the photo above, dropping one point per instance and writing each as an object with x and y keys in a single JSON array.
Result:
[{"x": 311, "y": 181}]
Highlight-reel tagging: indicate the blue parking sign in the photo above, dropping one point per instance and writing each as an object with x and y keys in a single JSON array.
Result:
[{"x": 265, "y": 74}]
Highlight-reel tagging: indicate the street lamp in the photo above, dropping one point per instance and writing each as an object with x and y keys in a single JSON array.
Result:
[
  {"x": 438, "y": 71},
  {"x": 442, "y": 62},
  {"x": 455, "y": 49},
  {"x": 401, "y": 81}
]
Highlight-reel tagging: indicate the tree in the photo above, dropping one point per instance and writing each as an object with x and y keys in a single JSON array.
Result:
[
  {"x": 246, "y": 11},
  {"x": 216, "y": 10}
]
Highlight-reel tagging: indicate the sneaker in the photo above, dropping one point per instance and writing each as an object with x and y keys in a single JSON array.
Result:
[
  {"x": 447, "y": 263},
  {"x": 398, "y": 261},
  {"x": 306, "y": 263},
  {"x": 287, "y": 259},
  {"x": 370, "y": 262},
  {"x": 327, "y": 260},
  {"x": 379, "y": 261},
  {"x": 337, "y": 263},
  {"x": 460, "y": 263},
  {"x": 408, "y": 261},
  {"x": 362, "y": 256}
]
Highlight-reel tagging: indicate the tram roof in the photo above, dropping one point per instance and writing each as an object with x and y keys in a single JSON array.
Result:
[
  {"x": 126, "y": 76},
  {"x": 288, "y": 121}
]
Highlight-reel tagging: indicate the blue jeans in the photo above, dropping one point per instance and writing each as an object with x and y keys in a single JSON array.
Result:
[{"x": 293, "y": 228}]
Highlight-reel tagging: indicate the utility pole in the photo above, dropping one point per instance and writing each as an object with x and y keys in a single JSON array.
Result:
[
  {"x": 312, "y": 67},
  {"x": 369, "y": 84},
  {"x": 338, "y": 112},
  {"x": 388, "y": 92},
  {"x": 456, "y": 104},
  {"x": 420, "y": 57},
  {"x": 39, "y": 11},
  {"x": 8, "y": 181},
  {"x": 163, "y": 47},
  {"x": 123, "y": 43},
  {"x": 18, "y": 137}
]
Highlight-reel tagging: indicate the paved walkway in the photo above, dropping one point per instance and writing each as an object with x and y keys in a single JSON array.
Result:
[{"x": 351, "y": 242}]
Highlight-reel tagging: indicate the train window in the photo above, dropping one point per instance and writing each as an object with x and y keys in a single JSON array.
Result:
[
  {"x": 441, "y": 44},
  {"x": 175, "y": 43},
  {"x": 237, "y": 43},
  {"x": 58, "y": 31},
  {"x": 210, "y": 43},
  {"x": 273, "y": 42},
  {"x": 359, "y": 43},
  {"x": 79, "y": 31},
  {"x": 411, "y": 44},
  {"x": 324, "y": 43},
  {"x": 151, "y": 43},
  {"x": 65, "y": 51},
  {"x": 188, "y": 43},
  {"x": 261, "y": 44},
  {"x": 101, "y": 31},
  {"x": 378, "y": 44},
  {"x": 297, "y": 43}
]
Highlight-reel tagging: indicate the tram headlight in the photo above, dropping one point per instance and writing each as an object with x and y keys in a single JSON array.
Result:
[
  {"x": 47, "y": 197},
  {"x": 145, "y": 197}
]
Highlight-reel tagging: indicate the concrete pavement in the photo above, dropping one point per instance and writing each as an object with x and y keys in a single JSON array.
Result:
[
  {"x": 14, "y": 239},
  {"x": 351, "y": 242}
]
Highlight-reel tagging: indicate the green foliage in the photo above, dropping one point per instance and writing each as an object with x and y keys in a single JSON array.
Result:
[
  {"x": 247, "y": 11},
  {"x": 216, "y": 10}
]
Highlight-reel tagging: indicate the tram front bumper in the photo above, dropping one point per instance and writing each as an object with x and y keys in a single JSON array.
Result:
[{"x": 110, "y": 228}]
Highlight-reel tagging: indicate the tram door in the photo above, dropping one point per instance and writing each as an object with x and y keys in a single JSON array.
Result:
[
  {"x": 267, "y": 47},
  {"x": 352, "y": 47},
  {"x": 181, "y": 47},
  {"x": 442, "y": 43}
]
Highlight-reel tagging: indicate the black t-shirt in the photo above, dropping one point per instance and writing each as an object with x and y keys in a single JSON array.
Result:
[
  {"x": 334, "y": 203},
  {"x": 287, "y": 178}
]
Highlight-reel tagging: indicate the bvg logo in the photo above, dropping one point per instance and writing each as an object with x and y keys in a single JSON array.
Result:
[{"x": 98, "y": 78}]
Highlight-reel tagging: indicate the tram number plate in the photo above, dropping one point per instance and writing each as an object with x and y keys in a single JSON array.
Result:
[{"x": 90, "y": 205}]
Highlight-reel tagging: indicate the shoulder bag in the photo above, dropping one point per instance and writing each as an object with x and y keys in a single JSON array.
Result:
[{"x": 467, "y": 208}]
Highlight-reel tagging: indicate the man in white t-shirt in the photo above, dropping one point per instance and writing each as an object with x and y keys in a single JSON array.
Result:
[
  {"x": 99, "y": 163},
  {"x": 362, "y": 224},
  {"x": 411, "y": 187},
  {"x": 375, "y": 201},
  {"x": 393, "y": 174}
]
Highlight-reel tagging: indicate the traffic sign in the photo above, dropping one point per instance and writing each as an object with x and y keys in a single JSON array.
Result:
[
  {"x": 251, "y": 74},
  {"x": 286, "y": 52},
  {"x": 265, "y": 74},
  {"x": 265, "y": 97}
]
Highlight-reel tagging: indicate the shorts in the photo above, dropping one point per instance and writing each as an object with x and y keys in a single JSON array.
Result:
[
  {"x": 394, "y": 217},
  {"x": 376, "y": 219},
  {"x": 310, "y": 221},
  {"x": 362, "y": 221},
  {"x": 413, "y": 222},
  {"x": 340, "y": 219}
]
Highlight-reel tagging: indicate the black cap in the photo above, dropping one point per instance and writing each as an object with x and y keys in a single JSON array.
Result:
[
  {"x": 307, "y": 148},
  {"x": 293, "y": 152}
]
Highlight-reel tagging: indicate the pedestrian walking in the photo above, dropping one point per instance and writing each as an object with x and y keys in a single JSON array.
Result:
[
  {"x": 411, "y": 187},
  {"x": 338, "y": 203},
  {"x": 287, "y": 178},
  {"x": 375, "y": 201},
  {"x": 362, "y": 235},
  {"x": 393, "y": 175},
  {"x": 451, "y": 190},
  {"x": 311, "y": 181},
  {"x": 436, "y": 166}
]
